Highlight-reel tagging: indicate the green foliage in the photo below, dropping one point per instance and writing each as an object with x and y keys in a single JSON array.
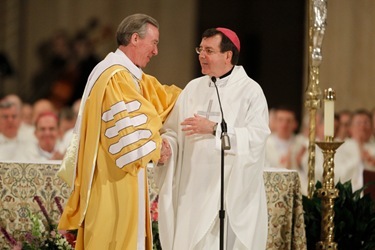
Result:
[
  {"x": 312, "y": 216},
  {"x": 354, "y": 219},
  {"x": 155, "y": 232}
]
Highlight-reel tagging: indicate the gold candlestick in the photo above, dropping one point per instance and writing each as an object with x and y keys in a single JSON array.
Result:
[
  {"x": 328, "y": 193},
  {"x": 317, "y": 21}
]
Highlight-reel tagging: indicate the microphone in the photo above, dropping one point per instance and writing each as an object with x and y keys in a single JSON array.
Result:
[{"x": 225, "y": 142}]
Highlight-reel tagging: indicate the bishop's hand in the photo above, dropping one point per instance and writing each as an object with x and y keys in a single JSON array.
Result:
[{"x": 197, "y": 125}]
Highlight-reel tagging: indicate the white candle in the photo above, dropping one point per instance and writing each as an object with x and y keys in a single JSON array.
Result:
[{"x": 329, "y": 112}]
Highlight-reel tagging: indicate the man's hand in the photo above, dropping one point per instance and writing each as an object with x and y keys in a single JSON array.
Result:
[
  {"x": 368, "y": 158},
  {"x": 165, "y": 153},
  {"x": 197, "y": 125},
  {"x": 57, "y": 156}
]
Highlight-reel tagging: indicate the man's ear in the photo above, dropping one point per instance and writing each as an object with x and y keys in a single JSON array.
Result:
[
  {"x": 229, "y": 55},
  {"x": 134, "y": 38}
]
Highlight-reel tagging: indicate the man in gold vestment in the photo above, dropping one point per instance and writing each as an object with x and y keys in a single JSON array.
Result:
[{"x": 116, "y": 135}]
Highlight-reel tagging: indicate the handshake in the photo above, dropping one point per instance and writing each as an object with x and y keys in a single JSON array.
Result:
[{"x": 165, "y": 153}]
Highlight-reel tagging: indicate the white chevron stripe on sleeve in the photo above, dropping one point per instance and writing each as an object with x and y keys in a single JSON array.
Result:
[
  {"x": 129, "y": 139},
  {"x": 124, "y": 123},
  {"x": 119, "y": 107},
  {"x": 136, "y": 154}
]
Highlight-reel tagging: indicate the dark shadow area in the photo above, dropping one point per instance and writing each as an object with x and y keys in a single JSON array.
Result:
[{"x": 272, "y": 43}]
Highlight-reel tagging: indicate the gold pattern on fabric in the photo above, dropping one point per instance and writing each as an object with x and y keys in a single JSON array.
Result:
[{"x": 20, "y": 182}]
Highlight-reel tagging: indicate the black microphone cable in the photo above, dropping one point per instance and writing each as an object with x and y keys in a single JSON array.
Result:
[{"x": 224, "y": 129}]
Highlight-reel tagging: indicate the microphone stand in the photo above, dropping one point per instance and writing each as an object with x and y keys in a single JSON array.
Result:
[{"x": 225, "y": 145}]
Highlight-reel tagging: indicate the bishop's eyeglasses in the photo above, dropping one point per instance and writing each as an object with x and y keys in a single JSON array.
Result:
[{"x": 208, "y": 51}]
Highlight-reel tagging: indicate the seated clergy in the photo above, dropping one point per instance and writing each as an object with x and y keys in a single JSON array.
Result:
[
  {"x": 361, "y": 133},
  {"x": 26, "y": 129},
  {"x": 47, "y": 134},
  {"x": 283, "y": 148},
  {"x": 11, "y": 141},
  {"x": 347, "y": 161}
]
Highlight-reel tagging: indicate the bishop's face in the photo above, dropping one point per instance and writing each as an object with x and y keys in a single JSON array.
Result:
[{"x": 213, "y": 62}]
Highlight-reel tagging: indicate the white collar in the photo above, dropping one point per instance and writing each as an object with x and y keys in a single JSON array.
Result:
[
  {"x": 220, "y": 82},
  {"x": 4, "y": 139},
  {"x": 44, "y": 153},
  {"x": 137, "y": 72}
]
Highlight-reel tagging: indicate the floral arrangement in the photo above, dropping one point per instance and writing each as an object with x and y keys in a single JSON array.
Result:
[
  {"x": 43, "y": 235},
  {"x": 154, "y": 221}
]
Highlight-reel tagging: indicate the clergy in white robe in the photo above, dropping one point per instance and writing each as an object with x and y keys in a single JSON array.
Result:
[
  {"x": 189, "y": 183},
  {"x": 283, "y": 147},
  {"x": 26, "y": 130},
  {"x": 347, "y": 166},
  {"x": 284, "y": 153},
  {"x": 12, "y": 144},
  {"x": 361, "y": 132},
  {"x": 47, "y": 146},
  {"x": 347, "y": 162}
]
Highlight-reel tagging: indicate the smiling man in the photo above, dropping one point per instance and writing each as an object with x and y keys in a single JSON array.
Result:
[
  {"x": 189, "y": 198},
  {"x": 116, "y": 135},
  {"x": 46, "y": 132}
]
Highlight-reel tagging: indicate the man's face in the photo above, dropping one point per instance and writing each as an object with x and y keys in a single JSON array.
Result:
[
  {"x": 360, "y": 127},
  {"x": 213, "y": 62},
  {"x": 285, "y": 123},
  {"x": 46, "y": 131},
  {"x": 344, "y": 125},
  {"x": 10, "y": 121},
  {"x": 147, "y": 47}
]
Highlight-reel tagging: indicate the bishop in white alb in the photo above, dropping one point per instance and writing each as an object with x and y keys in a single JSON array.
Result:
[{"x": 189, "y": 198}]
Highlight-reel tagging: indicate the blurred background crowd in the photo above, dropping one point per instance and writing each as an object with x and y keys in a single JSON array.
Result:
[
  {"x": 287, "y": 146},
  {"x": 64, "y": 61}
]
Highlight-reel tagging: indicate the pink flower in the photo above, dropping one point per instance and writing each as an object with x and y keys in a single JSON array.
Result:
[
  {"x": 154, "y": 210},
  {"x": 154, "y": 216},
  {"x": 53, "y": 234},
  {"x": 70, "y": 238},
  {"x": 18, "y": 246}
]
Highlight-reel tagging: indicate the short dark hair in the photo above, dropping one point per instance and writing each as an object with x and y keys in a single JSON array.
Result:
[
  {"x": 225, "y": 45},
  {"x": 286, "y": 107},
  {"x": 363, "y": 111}
]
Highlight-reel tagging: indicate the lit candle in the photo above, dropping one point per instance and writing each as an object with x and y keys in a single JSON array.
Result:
[{"x": 329, "y": 113}]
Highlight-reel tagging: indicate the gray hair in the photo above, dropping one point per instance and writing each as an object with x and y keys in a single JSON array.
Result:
[
  {"x": 135, "y": 23},
  {"x": 5, "y": 104}
]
